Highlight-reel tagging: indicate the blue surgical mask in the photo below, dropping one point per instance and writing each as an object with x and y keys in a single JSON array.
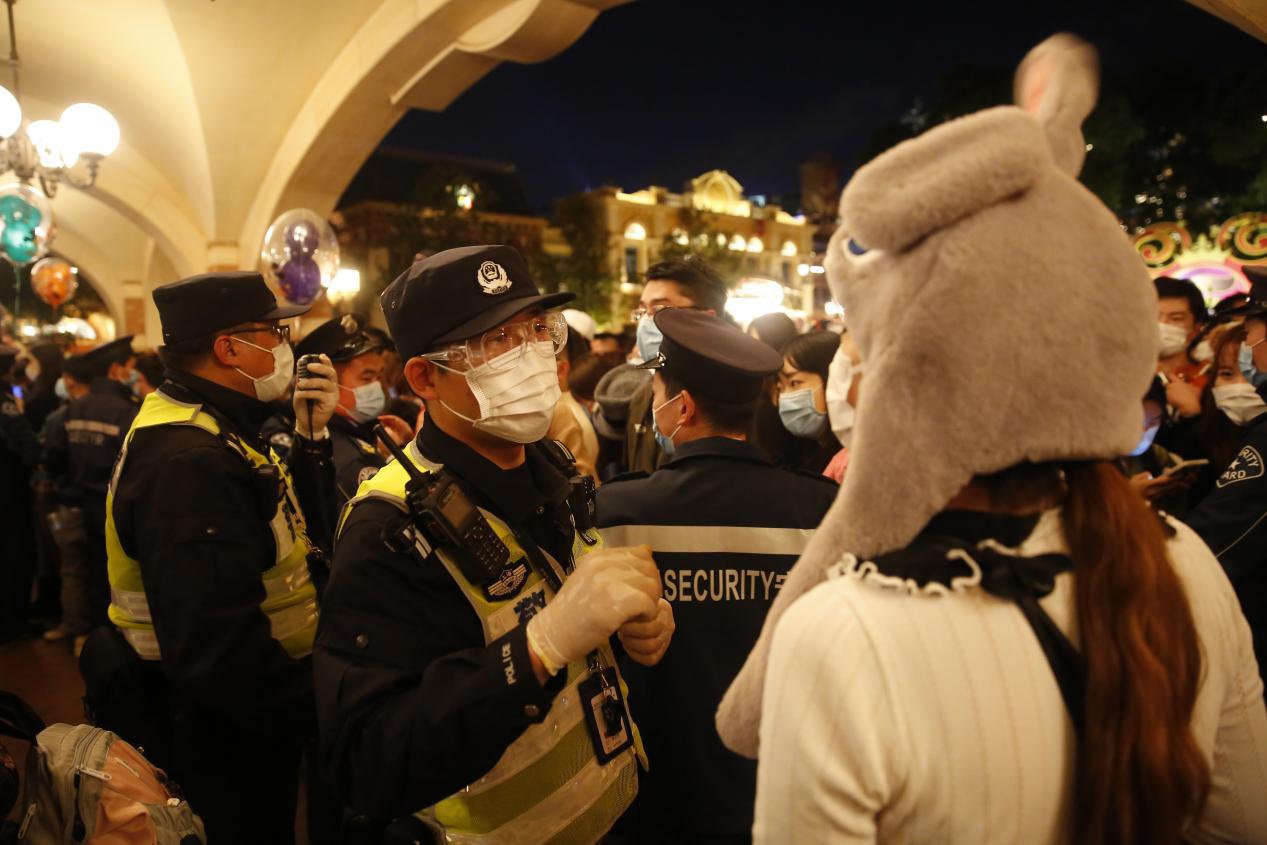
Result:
[
  {"x": 133, "y": 377},
  {"x": 799, "y": 416},
  {"x": 649, "y": 338},
  {"x": 664, "y": 441},
  {"x": 368, "y": 401},
  {"x": 1146, "y": 442},
  {"x": 1245, "y": 360}
]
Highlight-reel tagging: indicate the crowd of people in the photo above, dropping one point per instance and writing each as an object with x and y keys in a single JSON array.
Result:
[{"x": 479, "y": 571}]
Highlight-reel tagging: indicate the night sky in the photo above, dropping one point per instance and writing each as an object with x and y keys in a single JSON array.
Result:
[{"x": 659, "y": 91}]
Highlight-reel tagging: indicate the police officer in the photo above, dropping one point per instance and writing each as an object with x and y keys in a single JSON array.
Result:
[
  {"x": 463, "y": 666},
  {"x": 209, "y": 551},
  {"x": 83, "y": 450},
  {"x": 725, "y": 526},
  {"x": 1232, "y": 519},
  {"x": 357, "y": 356}
]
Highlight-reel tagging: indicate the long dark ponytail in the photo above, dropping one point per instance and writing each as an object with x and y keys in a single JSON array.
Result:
[{"x": 1140, "y": 776}]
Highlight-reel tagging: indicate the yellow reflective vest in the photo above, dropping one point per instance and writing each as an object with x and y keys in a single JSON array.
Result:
[
  {"x": 548, "y": 786},
  {"x": 290, "y": 600}
]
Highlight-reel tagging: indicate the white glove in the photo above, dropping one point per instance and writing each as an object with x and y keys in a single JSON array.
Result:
[
  {"x": 607, "y": 588},
  {"x": 322, "y": 387},
  {"x": 646, "y": 641}
]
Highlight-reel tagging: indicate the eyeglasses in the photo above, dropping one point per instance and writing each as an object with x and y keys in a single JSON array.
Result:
[
  {"x": 281, "y": 331},
  {"x": 545, "y": 335},
  {"x": 638, "y": 313}
]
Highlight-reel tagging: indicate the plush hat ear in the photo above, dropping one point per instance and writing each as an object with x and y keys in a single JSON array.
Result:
[
  {"x": 948, "y": 173},
  {"x": 1057, "y": 83}
]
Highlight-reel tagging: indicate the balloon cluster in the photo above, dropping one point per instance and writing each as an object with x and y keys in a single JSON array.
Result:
[
  {"x": 26, "y": 223},
  {"x": 303, "y": 253},
  {"x": 54, "y": 281}
]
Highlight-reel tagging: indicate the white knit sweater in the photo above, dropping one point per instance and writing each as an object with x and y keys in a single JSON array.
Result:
[{"x": 897, "y": 717}]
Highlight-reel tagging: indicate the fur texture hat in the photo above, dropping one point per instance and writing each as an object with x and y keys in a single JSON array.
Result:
[{"x": 1002, "y": 314}]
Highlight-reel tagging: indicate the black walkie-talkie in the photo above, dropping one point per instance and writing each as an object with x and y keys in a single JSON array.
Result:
[
  {"x": 302, "y": 372},
  {"x": 450, "y": 520}
]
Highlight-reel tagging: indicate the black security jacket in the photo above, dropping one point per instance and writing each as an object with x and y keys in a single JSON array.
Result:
[
  {"x": 84, "y": 447},
  {"x": 1233, "y": 522},
  {"x": 725, "y": 526}
]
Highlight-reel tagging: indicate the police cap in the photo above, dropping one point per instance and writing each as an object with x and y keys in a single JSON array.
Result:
[
  {"x": 458, "y": 294},
  {"x": 710, "y": 357},
  {"x": 116, "y": 351},
  {"x": 201, "y": 305},
  {"x": 1257, "y": 305},
  {"x": 342, "y": 339}
]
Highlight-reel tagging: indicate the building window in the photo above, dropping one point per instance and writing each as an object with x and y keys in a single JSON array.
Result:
[
  {"x": 631, "y": 264},
  {"x": 738, "y": 244},
  {"x": 635, "y": 231},
  {"x": 755, "y": 244},
  {"x": 787, "y": 273},
  {"x": 789, "y": 248}
]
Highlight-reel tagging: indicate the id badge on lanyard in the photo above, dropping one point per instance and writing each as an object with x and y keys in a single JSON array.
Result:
[{"x": 605, "y": 715}]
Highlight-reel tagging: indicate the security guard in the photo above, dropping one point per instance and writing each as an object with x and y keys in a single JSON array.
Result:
[
  {"x": 463, "y": 666},
  {"x": 725, "y": 526},
  {"x": 357, "y": 357},
  {"x": 209, "y": 551},
  {"x": 1232, "y": 519},
  {"x": 83, "y": 450}
]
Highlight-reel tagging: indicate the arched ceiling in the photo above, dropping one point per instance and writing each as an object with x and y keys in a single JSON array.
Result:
[
  {"x": 233, "y": 110},
  {"x": 1248, "y": 15}
]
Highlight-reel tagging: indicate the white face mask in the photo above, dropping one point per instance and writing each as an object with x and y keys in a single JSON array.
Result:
[
  {"x": 272, "y": 386},
  {"x": 1240, "y": 402},
  {"x": 517, "y": 402},
  {"x": 840, "y": 375},
  {"x": 1173, "y": 340},
  {"x": 33, "y": 371},
  {"x": 368, "y": 401}
]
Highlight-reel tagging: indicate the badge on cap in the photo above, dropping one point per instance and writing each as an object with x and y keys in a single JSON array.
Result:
[{"x": 492, "y": 278}]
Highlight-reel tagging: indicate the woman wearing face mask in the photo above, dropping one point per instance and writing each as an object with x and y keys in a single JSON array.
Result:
[{"x": 794, "y": 430}]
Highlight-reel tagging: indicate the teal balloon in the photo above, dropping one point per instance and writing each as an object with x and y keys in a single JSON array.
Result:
[{"x": 17, "y": 239}]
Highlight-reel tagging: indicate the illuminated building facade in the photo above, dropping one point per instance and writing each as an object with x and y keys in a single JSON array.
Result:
[{"x": 713, "y": 215}]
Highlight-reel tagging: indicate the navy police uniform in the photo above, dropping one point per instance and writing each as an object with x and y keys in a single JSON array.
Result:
[
  {"x": 356, "y": 457},
  {"x": 209, "y": 578},
  {"x": 83, "y": 449},
  {"x": 725, "y": 526},
  {"x": 427, "y": 700}
]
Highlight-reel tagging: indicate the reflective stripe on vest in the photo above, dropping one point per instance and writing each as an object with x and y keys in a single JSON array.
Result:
[
  {"x": 290, "y": 600},
  {"x": 547, "y": 787}
]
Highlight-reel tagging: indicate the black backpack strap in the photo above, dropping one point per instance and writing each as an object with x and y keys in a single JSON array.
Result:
[
  {"x": 1024, "y": 581},
  {"x": 17, "y": 719}
]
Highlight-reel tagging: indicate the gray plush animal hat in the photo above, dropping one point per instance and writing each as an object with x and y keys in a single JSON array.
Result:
[{"x": 1002, "y": 314}]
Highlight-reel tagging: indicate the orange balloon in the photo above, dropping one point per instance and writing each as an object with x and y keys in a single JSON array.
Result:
[{"x": 53, "y": 281}]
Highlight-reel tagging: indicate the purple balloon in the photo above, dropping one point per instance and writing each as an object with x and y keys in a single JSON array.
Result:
[
  {"x": 301, "y": 238},
  {"x": 300, "y": 280}
]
